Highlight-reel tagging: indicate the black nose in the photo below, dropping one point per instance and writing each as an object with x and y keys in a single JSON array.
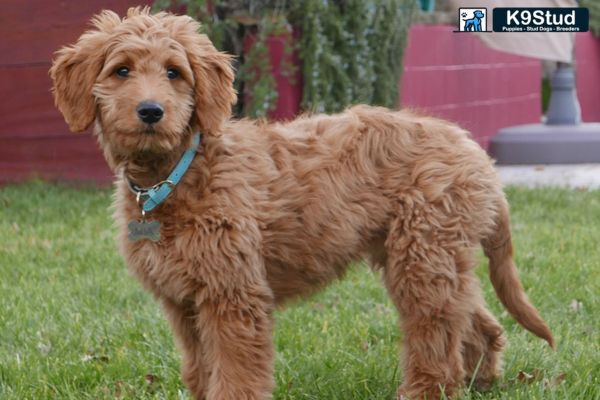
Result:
[{"x": 150, "y": 112}]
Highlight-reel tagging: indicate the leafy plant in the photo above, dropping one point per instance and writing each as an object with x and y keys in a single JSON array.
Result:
[
  {"x": 594, "y": 7},
  {"x": 351, "y": 50}
]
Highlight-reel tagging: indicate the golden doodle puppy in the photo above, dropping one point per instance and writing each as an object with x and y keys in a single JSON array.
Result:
[{"x": 222, "y": 220}]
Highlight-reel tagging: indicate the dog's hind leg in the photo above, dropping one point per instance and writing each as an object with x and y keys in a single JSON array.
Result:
[
  {"x": 432, "y": 287},
  {"x": 483, "y": 341},
  {"x": 193, "y": 369},
  {"x": 482, "y": 349}
]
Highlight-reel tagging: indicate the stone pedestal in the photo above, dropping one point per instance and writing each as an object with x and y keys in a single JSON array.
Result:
[
  {"x": 563, "y": 139},
  {"x": 547, "y": 144}
]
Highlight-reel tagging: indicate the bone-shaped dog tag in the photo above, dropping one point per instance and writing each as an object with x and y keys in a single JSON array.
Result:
[{"x": 139, "y": 230}]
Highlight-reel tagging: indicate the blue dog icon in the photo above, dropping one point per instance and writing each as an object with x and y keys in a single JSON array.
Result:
[{"x": 474, "y": 24}]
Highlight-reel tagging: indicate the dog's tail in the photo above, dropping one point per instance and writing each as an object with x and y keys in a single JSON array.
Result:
[{"x": 505, "y": 278}]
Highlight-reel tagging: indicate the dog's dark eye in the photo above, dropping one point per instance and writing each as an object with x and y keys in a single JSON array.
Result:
[
  {"x": 123, "y": 72},
  {"x": 172, "y": 73}
]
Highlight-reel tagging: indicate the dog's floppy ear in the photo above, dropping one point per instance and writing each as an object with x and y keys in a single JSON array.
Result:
[
  {"x": 213, "y": 73},
  {"x": 214, "y": 92},
  {"x": 75, "y": 69}
]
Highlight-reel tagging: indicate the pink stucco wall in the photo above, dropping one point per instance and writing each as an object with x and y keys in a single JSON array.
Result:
[
  {"x": 447, "y": 74},
  {"x": 34, "y": 139},
  {"x": 454, "y": 76}
]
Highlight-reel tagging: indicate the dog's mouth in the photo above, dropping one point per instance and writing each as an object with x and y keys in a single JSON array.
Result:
[{"x": 149, "y": 130}]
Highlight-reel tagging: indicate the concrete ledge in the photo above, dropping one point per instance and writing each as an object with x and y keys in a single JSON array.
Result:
[
  {"x": 574, "y": 176},
  {"x": 547, "y": 144}
]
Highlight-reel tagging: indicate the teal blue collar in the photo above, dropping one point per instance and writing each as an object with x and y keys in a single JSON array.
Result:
[{"x": 149, "y": 198}]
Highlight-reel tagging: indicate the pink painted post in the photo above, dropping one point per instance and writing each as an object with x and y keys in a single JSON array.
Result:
[
  {"x": 587, "y": 64},
  {"x": 287, "y": 71}
]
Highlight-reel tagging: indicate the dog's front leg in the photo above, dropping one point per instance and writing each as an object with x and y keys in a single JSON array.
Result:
[
  {"x": 237, "y": 335},
  {"x": 235, "y": 324},
  {"x": 193, "y": 370}
]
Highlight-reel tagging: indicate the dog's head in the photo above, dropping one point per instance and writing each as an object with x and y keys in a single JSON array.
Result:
[
  {"x": 478, "y": 14},
  {"x": 146, "y": 79}
]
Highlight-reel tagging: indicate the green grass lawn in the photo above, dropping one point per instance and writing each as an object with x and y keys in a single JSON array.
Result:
[{"x": 75, "y": 325}]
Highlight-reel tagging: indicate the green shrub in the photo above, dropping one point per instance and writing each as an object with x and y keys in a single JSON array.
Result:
[
  {"x": 351, "y": 50},
  {"x": 594, "y": 7}
]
